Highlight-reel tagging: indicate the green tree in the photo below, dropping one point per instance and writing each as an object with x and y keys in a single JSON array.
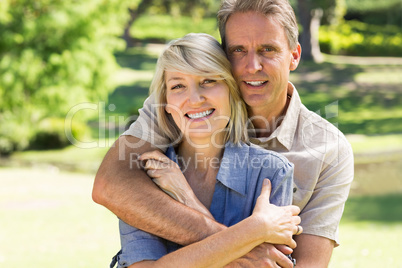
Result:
[
  {"x": 311, "y": 12},
  {"x": 54, "y": 54},
  {"x": 376, "y": 12},
  {"x": 194, "y": 8}
]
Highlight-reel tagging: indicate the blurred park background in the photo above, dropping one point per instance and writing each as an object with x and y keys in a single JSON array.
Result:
[{"x": 74, "y": 73}]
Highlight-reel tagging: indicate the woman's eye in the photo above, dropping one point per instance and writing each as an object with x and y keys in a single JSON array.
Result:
[
  {"x": 208, "y": 81},
  {"x": 177, "y": 86}
]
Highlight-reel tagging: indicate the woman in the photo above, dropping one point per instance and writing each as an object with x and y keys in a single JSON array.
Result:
[{"x": 210, "y": 168}]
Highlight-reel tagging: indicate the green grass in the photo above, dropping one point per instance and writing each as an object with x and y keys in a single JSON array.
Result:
[
  {"x": 71, "y": 158},
  {"x": 370, "y": 233},
  {"x": 362, "y": 106},
  {"x": 362, "y": 144},
  {"x": 368, "y": 245},
  {"x": 50, "y": 220}
]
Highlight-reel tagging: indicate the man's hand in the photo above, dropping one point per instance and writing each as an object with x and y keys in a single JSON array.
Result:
[
  {"x": 167, "y": 175},
  {"x": 264, "y": 255},
  {"x": 126, "y": 190}
]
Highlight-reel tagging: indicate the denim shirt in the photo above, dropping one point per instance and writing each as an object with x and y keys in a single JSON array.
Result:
[{"x": 238, "y": 185}]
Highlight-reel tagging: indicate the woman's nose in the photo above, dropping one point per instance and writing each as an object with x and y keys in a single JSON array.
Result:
[{"x": 195, "y": 94}]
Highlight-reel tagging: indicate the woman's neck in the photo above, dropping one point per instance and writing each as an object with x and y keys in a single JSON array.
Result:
[{"x": 200, "y": 156}]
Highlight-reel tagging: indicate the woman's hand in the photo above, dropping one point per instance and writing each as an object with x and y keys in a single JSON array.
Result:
[
  {"x": 167, "y": 175},
  {"x": 280, "y": 223}
]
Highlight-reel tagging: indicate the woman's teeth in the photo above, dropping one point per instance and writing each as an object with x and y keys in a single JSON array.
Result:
[{"x": 199, "y": 115}]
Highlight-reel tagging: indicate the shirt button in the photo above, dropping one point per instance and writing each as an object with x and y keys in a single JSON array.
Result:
[{"x": 294, "y": 189}]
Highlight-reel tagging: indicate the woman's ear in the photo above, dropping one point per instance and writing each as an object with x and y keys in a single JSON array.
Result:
[{"x": 168, "y": 108}]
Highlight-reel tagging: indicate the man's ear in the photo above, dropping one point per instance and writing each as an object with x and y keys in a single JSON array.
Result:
[{"x": 296, "y": 55}]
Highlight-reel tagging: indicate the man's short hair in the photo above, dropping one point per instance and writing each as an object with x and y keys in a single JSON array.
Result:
[{"x": 281, "y": 10}]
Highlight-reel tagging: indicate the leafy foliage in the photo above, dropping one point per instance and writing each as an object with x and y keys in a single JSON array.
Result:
[
  {"x": 375, "y": 12},
  {"x": 165, "y": 28},
  {"x": 53, "y": 55},
  {"x": 370, "y": 5},
  {"x": 361, "y": 39}
]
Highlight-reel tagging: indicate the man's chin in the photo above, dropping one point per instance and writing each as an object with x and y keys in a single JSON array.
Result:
[{"x": 253, "y": 100}]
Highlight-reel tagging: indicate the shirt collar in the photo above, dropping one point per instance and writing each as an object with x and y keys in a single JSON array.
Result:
[
  {"x": 233, "y": 169},
  {"x": 285, "y": 133}
]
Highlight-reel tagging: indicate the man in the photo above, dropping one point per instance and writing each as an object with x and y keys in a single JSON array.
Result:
[{"x": 260, "y": 38}]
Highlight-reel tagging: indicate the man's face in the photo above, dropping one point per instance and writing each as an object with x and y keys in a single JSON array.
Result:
[{"x": 258, "y": 50}]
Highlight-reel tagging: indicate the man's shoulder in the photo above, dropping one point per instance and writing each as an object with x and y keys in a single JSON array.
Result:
[{"x": 316, "y": 130}]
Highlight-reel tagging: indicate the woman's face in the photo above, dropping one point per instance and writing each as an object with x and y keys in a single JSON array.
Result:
[{"x": 199, "y": 105}]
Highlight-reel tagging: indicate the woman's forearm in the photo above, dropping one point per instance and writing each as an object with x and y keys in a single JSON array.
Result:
[
  {"x": 234, "y": 242},
  {"x": 219, "y": 249},
  {"x": 237, "y": 240}
]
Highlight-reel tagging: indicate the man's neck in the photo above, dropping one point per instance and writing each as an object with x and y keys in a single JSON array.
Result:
[{"x": 268, "y": 119}]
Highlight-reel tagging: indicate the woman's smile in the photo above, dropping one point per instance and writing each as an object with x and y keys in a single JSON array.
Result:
[{"x": 198, "y": 115}]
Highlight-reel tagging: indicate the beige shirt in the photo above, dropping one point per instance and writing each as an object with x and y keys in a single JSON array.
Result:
[{"x": 322, "y": 157}]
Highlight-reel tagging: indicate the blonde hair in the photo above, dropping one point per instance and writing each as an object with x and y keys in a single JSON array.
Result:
[
  {"x": 201, "y": 55},
  {"x": 281, "y": 10}
]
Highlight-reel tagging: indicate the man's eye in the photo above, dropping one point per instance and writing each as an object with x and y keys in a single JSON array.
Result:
[
  {"x": 236, "y": 50},
  {"x": 268, "y": 49}
]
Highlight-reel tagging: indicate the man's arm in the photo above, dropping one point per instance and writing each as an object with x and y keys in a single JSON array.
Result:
[
  {"x": 312, "y": 251},
  {"x": 264, "y": 256},
  {"x": 134, "y": 198},
  {"x": 267, "y": 223},
  {"x": 124, "y": 188}
]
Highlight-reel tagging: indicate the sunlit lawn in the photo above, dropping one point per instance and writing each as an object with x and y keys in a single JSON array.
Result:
[
  {"x": 371, "y": 232},
  {"x": 49, "y": 220},
  {"x": 369, "y": 244}
]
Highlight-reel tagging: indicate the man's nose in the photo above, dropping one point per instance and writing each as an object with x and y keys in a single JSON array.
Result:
[{"x": 254, "y": 63}]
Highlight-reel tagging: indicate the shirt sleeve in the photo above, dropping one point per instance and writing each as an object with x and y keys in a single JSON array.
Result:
[
  {"x": 137, "y": 245},
  {"x": 146, "y": 126},
  {"x": 282, "y": 186},
  {"x": 279, "y": 171},
  {"x": 322, "y": 214}
]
